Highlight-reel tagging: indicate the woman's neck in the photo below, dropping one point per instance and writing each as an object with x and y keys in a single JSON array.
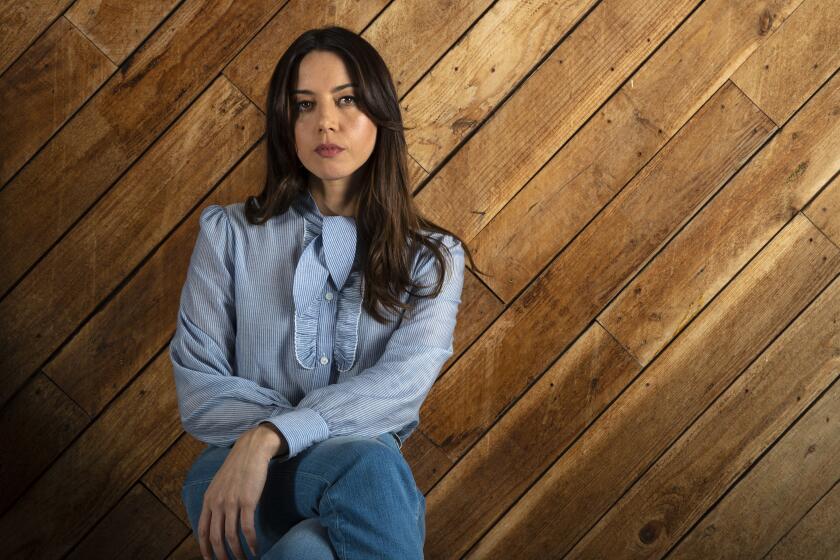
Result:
[{"x": 333, "y": 203}]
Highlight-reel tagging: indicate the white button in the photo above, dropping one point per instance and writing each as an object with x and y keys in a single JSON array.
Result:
[
  {"x": 328, "y": 295},
  {"x": 324, "y": 359}
]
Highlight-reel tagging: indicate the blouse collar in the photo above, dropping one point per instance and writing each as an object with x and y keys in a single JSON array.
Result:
[{"x": 338, "y": 238}]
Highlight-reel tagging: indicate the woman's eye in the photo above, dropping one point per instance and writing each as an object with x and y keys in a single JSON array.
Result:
[{"x": 299, "y": 103}]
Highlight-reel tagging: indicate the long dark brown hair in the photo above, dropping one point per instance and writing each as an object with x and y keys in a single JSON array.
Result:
[{"x": 389, "y": 226}]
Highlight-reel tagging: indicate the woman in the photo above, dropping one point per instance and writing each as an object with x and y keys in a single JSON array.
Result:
[{"x": 313, "y": 322}]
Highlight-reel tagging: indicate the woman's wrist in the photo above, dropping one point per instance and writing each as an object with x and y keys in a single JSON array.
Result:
[{"x": 272, "y": 440}]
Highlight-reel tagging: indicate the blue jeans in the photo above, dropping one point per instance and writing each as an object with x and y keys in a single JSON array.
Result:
[{"x": 346, "y": 497}]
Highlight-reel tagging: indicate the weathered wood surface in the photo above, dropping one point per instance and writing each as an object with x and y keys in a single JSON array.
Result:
[{"x": 650, "y": 369}]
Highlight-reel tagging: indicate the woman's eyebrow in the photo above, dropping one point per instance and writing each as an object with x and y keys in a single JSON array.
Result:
[{"x": 335, "y": 89}]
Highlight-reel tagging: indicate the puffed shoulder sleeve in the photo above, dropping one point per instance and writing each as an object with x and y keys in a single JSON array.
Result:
[
  {"x": 216, "y": 404},
  {"x": 387, "y": 396}
]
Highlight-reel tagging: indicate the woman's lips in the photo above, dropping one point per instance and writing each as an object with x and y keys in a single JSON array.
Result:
[{"x": 329, "y": 152}]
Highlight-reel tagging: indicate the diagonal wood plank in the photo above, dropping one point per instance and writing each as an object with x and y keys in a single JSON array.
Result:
[
  {"x": 726, "y": 440},
  {"x": 112, "y": 130},
  {"x": 816, "y": 536},
  {"x": 32, "y": 108},
  {"x": 471, "y": 80},
  {"x": 479, "y": 308},
  {"x": 435, "y": 29},
  {"x": 137, "y": 321},
  {"x": 668, "y": 396},
  {"x": 756, "y": 204},
  {"x": 109, "y": 242},
  {"x": 525, "y": 442},
  {"x": 134, "y": 325},
  {"x": 187, "y": 550},
  {"x": 540, "y": 324},
  {"x": 819, "y": 151},
  {"x": 776, "y": 493},
  {"x": 36, "y": 426},
  {"x": 103, "y": 464},
  {"x": 79, "y": 51},
  {"x": 621, "y": 138},
  {"x": 590, "y": 64},
  {"x": 416, "y": 174},
  {"x": 165, "y": 478},
  {"x": 139, "y": 526},
  {"x": 118, "y": 27},
  {"x": 22, "y": 22},
  {"x": 428, "y": 461},
  {"x": 793, "y": 63},
  {"x": 825, "y": 208}
]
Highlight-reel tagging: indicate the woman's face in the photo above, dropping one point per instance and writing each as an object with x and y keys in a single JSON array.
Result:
[{"x": 327, "y": 114}]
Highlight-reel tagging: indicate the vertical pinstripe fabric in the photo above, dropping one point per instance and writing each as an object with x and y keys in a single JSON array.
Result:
[{"x": 271, "y": 329}]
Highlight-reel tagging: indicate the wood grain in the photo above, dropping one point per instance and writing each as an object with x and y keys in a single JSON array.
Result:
[
  {"x": 667, "y": 397},
  {"x": 117, "y": 27},
  {"x": 22, "y": 22},
  {"x": 792, "y": 64},
  {"x": 525, "y": 441},
  {"x": 139, "y": 526},
  {"x": 102, "y": 465},
  {"x": 776, "y": 496},
  {"x": 542, "y": 322},
  {"x": 621, "y": 138},
  {"x": 726, "y": 439},
  {"x": 33, "y": 105},
  {"x": 825, "y": 209},
  {"x": 80, "y": 163},
  {"x": 756, "y": 204},
  {"x": 647, "y": 370},
  {"x": 123, "y": 227}
]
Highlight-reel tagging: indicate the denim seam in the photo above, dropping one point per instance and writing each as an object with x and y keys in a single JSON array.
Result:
[
  {"x": 338, "y": 517},
  {"x": 315, "y": 476},
  {"x": 392, "y": 437},
  {"x": 338, "y": 522},
  {"x": 420, "y": 499}
]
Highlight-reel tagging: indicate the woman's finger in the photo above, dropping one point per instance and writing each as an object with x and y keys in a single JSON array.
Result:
[
  {"x": 204, "y": 532},
  {"x": 248, "y": 529},
  {"x": 217, "y": 529},
  {"x": 231, "y": 518}
]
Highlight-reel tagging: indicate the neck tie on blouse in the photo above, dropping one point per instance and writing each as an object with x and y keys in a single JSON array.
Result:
[{"x": 329, "y": 251}]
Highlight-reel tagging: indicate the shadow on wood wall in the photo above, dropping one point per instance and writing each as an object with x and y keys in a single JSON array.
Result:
[{"x": 650, "y": 370}]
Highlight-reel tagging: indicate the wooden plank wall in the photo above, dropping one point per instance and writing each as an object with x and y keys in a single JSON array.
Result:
[{"x": 648, "y": 371}]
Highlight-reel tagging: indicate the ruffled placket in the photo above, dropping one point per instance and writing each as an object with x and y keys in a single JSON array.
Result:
[{"x": 329, "y": 251}]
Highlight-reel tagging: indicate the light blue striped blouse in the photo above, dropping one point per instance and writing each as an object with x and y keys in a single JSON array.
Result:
[{"x": 271, "y": 329}]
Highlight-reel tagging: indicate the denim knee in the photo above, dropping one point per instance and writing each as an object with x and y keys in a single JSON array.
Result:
[
  {"x": 376, "y": 460},
  {"x": 307, "y": 539}
]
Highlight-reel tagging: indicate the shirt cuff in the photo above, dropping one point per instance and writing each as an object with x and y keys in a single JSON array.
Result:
[{"x": 301, "y": 428}]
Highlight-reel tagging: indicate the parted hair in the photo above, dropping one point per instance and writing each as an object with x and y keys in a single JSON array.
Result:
[{"x": 390, "y": 228}]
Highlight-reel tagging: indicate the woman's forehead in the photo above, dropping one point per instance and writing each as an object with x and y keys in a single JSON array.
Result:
[{"x": 322, "y": 72}]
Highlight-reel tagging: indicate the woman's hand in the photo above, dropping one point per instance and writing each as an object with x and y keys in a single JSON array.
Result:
[{"x": 235, "y": 490}]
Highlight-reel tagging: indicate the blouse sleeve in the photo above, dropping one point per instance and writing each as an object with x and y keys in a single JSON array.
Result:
[
  {"x": 388, "y": 395},
  {"x": 216, "y": 405}
]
